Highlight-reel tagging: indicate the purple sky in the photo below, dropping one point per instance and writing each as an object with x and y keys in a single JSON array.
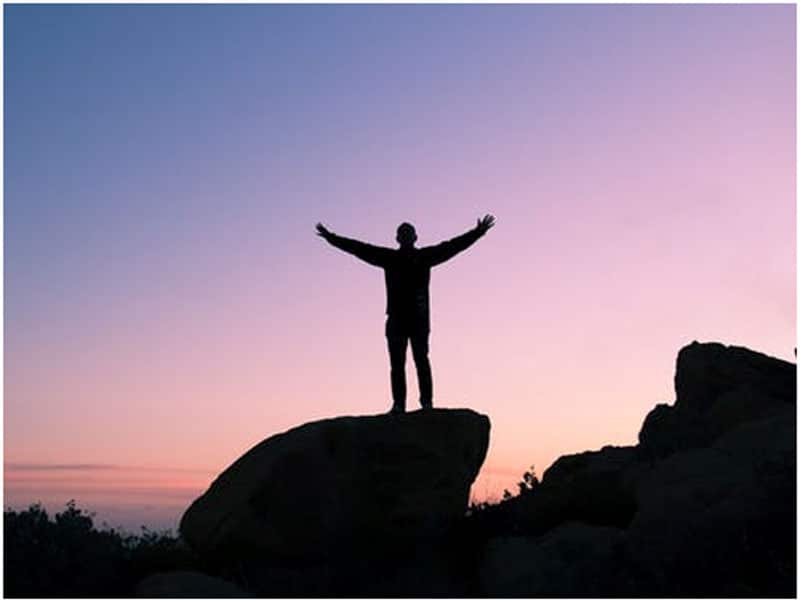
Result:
[{"x": 168, "y": 306}]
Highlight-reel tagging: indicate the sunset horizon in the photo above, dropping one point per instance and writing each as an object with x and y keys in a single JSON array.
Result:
[{"x": 168, "y": 304}]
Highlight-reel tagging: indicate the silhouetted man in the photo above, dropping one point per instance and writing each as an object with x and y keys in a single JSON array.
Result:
[{"x": 407, "y": 273}]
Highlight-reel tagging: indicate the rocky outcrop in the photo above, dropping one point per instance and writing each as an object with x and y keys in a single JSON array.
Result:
[
  {"x": 336, "y": 487},
  {"x": 717, "y": 388},
  {"x": 594, "y": 487},
  {"x": 703, "y": 506},
  {"x": 187, "y": 584},
  {"x": 667, "y": 430},
  {"x": 715, "y": 521},
  {"x": 568, "y": 561},
  {"x": 706, "y": 372}
]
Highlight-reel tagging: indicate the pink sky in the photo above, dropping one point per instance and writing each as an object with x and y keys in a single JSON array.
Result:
[{"x": 168, "y": 306}]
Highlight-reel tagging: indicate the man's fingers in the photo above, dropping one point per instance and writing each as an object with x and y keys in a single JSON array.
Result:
[{"x": 486, "y": 222}]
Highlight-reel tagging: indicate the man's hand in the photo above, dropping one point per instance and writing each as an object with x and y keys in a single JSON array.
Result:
[
  {"x": 484, "y": 223},
  {"x": 323, "y": 231}
]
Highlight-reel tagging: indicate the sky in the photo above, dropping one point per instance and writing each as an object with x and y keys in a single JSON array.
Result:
[{"x": 167, "y": 305}]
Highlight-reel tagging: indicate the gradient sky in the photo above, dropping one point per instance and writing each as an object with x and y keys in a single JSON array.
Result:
[{"x": 167, "y": 304}]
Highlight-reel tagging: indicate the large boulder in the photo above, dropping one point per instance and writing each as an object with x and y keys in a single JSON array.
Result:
[
  {"x": 720, "y": 520},
  {"x": 572, "y": 560},
  {"x": 593, "y": 487},
  {"x": 668, "y": 429},
  {"x": 717, "y": 389},
  {"x": 187, "y": 584},
  {"x": 596, "y": 487},
  {"x": 744, "y": 405},
  {"x": 705, "y": 371},
  {"x": 341, "y": 486},
  {"x": 705, "y": 505}
]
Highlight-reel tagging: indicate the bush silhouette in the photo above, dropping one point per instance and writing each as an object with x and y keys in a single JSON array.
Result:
[
  {"x": 528, "y": 483},
  {"x": 66, "y": 556}
]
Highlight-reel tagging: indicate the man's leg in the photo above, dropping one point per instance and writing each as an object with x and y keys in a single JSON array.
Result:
[
  {"x": 419, "y": 348},
  {"x": 398, "y": 342}
]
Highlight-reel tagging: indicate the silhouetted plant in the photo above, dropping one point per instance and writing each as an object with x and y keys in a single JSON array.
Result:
[
  {"x": 475, "y": 506},
  {"x": 67, "y": 556},
  {"x": 528, "y": 483}
]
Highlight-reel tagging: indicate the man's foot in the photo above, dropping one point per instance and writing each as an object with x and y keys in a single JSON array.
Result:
[
  {"x": 396, "y": 410},
  {"x": 426, "y": 406}
]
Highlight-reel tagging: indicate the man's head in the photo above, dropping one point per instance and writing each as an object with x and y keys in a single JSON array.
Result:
[{"x": 406, "y": 235}]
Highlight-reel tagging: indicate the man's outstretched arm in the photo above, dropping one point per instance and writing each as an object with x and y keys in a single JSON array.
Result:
[
  {"x": 370, "y": 253},
  {"x": 447, "y": 249}
]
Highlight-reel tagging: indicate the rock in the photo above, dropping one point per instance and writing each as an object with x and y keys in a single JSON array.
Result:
[
  {"x": 343, "y": 485},
  {"x": 267, "y": 580},
  {"x": 593, "y": 487},
  {"x": 187, "y": 584},
  {"x": 718, "y": 388},
  {"x": 572, "y": 468},
  {"x": 573, "y": 560},
  {"x": 709, "y": 495},
  {"x": 426, "y": 568},
  {"x": 769, "y": 448},
  {"x": 743, "y": 405},
  {"x": 713, "y": 521},
  {"x": 670, "y": 429},
  {"x": 704, "y": 505},
  {"x": 706, "y": 371}
]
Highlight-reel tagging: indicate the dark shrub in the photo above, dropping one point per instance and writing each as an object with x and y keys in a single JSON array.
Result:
[{"x": 67, "y": 557}]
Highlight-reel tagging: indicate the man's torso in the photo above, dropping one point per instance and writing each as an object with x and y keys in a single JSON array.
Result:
[{"x": 407, "y": 275}]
